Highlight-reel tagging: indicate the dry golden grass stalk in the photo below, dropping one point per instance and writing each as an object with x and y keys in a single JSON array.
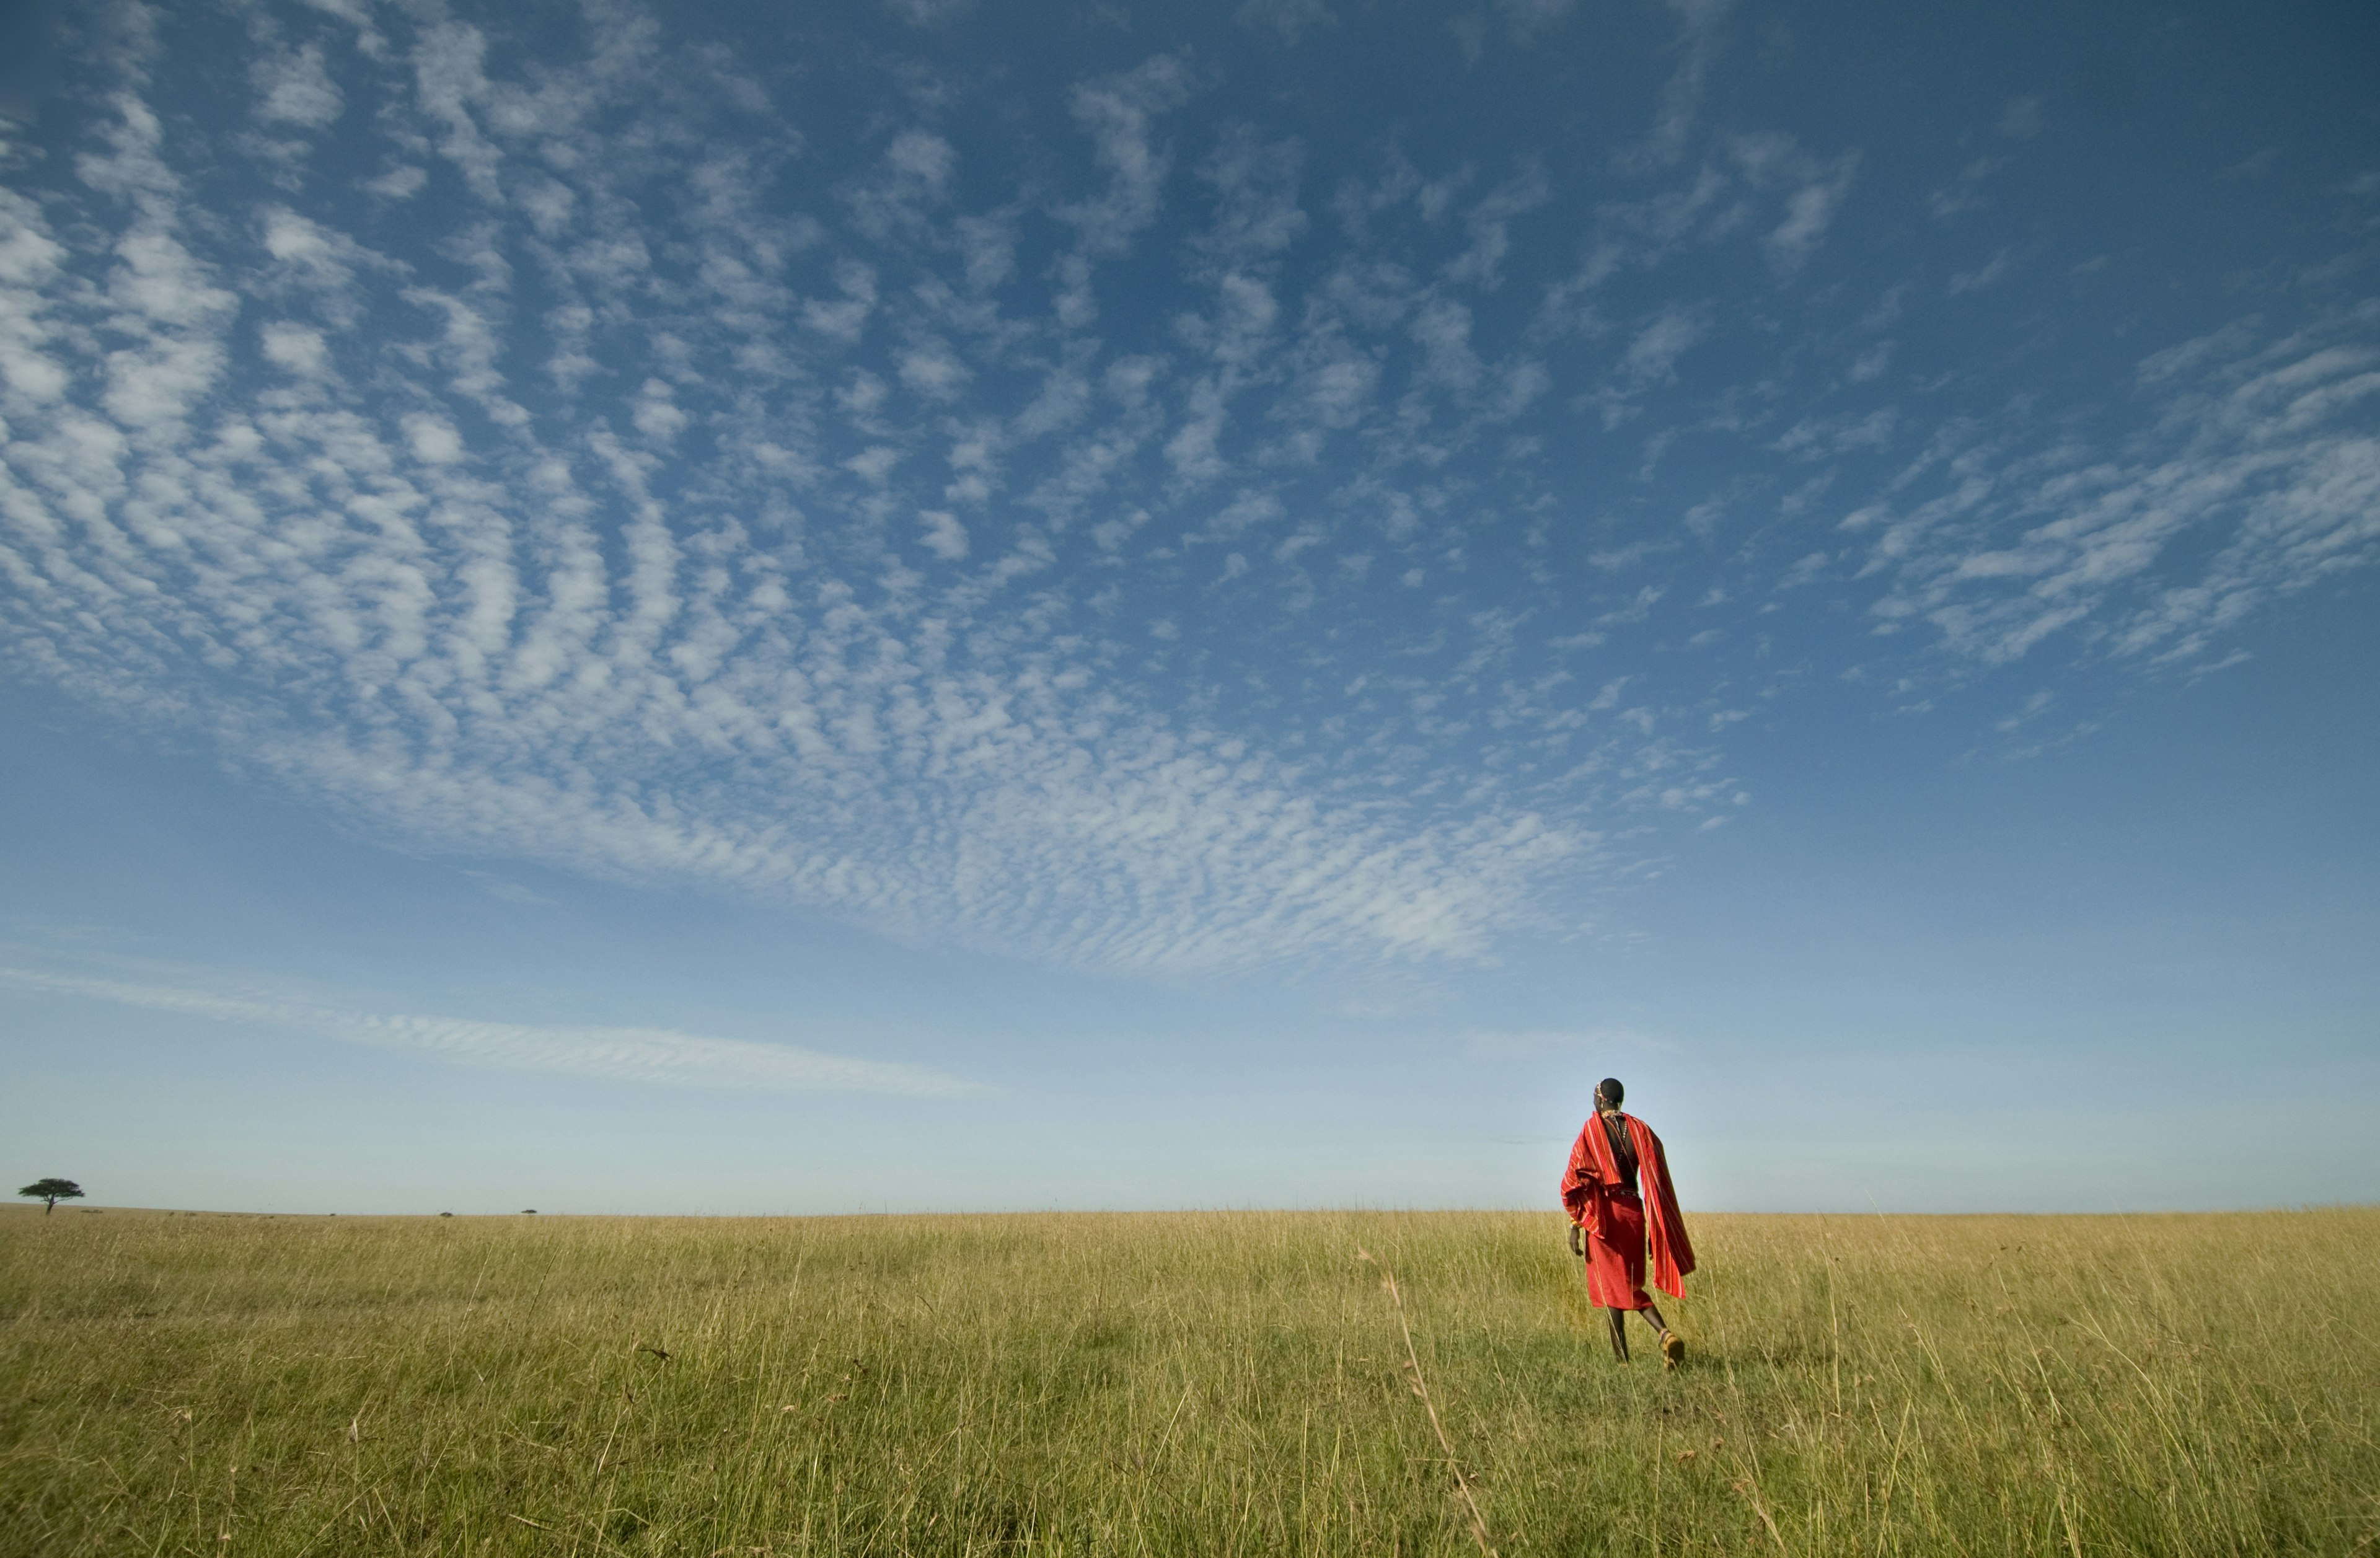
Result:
[{"x": 1421, "y": 1388}]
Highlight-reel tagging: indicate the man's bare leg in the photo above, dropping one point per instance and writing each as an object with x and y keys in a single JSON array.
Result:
[
  {"x": 1673, "y": 1347},
  {"x": 1619, "y": 1333}
]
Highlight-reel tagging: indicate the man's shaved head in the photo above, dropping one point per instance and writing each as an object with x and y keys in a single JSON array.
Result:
[{"x": 1611, "y": 1091}]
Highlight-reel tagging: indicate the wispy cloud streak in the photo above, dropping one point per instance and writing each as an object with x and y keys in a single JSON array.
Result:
[
  {"x": 657, "y": 1055},
  {"x": 2258, "y": 469}
]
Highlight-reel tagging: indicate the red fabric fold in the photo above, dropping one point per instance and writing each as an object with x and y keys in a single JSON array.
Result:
[{"x": 1595, "y": 1196}]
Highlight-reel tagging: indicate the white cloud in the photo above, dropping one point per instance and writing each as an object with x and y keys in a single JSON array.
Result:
[
  {"x": 1809, "y": 211},
  {"x": 845, "y": 319},
  {"x": 433, "y": 439},
  {"x": 1119, "y": 112},
  {"x": 929, "y": 13},
  {"x": 298, "y": 348},
  {"x": 932, "y": 370},
  {"x": 943, "y": 535},
  {"x": 1990, "y": 273},
  {"x": 989, "y": 244},
  {"x": 2021, "y": 120},
  {"x": 1873, "y": 362},
  {"x": 922, "y": 155},
  {"x": 1257, "y": 216},
  {"x": 642, "y": 1055},
  {"x": 292, "y": 88},
  {"x": 1652, "y": 356},
  {"x": 657, "y": 413},
  {"x": 1699, "y": 23},
  {"x": 912, "y": 179},
  {"x": 397, "y": 183},
  {"x": 1287, "y": 20},
  {"x": 507, "y": 891},
  {"x": 1818, "y": 437},
  {"x": 1489, "y": 223},
  {"x": 1442, "y": 329}
]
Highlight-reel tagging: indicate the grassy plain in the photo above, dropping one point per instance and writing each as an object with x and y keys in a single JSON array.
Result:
[{"x": 1203, "y": 1382}]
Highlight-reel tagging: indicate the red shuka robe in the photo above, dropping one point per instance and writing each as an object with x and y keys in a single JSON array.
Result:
[{"x": 1617, "y": 1219}]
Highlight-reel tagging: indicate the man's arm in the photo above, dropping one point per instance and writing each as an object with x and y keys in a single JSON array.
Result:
[{"x": 1579, "y": 1173}]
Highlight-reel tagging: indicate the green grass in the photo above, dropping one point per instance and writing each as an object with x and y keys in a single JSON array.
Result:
[{"x": 1206, "y": 1383}]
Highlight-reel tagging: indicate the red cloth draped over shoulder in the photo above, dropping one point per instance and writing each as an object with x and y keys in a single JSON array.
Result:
[{"x": 1593, "y": 1177}]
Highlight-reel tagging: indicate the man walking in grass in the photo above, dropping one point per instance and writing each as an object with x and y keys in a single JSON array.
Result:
[{"x": 1617, "y": 1190}]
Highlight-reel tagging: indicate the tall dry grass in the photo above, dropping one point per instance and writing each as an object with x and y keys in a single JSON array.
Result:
[{"x": 1209, "y": 1382}]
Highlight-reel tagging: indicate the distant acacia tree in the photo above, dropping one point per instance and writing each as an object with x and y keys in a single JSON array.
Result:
[{"x": 52, "y": 1191}]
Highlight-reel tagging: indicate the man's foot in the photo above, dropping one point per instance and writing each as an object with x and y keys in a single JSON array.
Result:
[{"x": 1673, "y": 1349}]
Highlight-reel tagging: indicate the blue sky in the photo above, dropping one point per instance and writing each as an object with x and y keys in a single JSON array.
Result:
[{"x": 746, "y": 609}]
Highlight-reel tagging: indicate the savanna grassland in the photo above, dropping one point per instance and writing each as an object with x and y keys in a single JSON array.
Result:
[{"x": 1173, "y": 1383}]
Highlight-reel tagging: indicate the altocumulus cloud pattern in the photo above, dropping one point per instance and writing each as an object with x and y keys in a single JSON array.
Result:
[{"x": 1085, "y": 513}]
